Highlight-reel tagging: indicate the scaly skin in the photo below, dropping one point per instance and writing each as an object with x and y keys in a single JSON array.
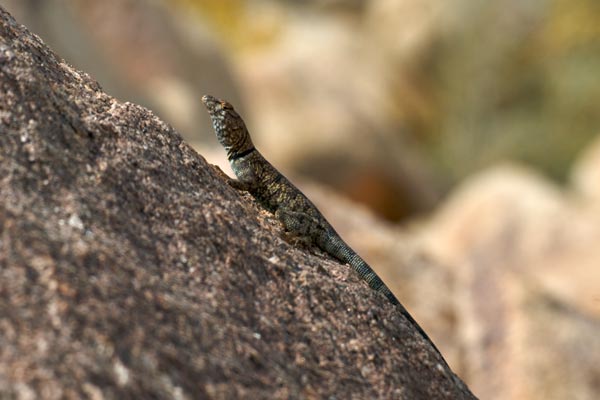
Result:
[{"x": 275, "y": 193}]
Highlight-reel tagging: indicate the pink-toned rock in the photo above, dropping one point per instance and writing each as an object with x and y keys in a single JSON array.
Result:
[
  {"x": 525, "y": 256},
  {"x": 586, "y": 173}
]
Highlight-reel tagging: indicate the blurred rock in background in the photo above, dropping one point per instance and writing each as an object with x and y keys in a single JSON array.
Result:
[
  {"x": 524, "y": 255},
  {"x": 392, "y": 103}
]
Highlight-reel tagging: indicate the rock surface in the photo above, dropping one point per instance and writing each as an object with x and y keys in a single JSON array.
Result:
[{"x": 129, "y": 269}]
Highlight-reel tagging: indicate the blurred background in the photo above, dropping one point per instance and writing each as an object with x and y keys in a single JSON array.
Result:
[
  {"x": 478, "y": 119},
  {"x": 391, "y": 102}
]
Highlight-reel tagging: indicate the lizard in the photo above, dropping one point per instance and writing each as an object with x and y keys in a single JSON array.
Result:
[{"x": 291, "y": 207}]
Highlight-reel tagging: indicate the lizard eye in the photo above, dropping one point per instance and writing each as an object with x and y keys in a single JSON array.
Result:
[{"x": 226, "y": 106}]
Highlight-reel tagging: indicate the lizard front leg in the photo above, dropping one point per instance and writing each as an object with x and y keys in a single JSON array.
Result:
[
  {"x": 302, "y": 226},
  {"x": 234, "y": 183}
]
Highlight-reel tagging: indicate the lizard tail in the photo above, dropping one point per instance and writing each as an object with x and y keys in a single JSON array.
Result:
[
  {"x": 333, "y": 244},
  {"x": 374, "y": 281}
]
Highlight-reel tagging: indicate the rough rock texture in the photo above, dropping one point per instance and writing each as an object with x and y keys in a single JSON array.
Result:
[
  {"x": 129, "y": 269},
  {"x": 524, "y": 254}
]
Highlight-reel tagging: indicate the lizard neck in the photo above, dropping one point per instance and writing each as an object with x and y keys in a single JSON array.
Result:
[{"x": 236, "y": 140}]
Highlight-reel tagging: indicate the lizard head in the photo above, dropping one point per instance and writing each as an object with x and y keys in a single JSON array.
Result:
[{"x": 228, "y": 125}]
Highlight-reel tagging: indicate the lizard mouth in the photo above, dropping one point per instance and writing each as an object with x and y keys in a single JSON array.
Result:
[
  {"x": 213, "y": 104},
  {"x": 209, "y": 101}
]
